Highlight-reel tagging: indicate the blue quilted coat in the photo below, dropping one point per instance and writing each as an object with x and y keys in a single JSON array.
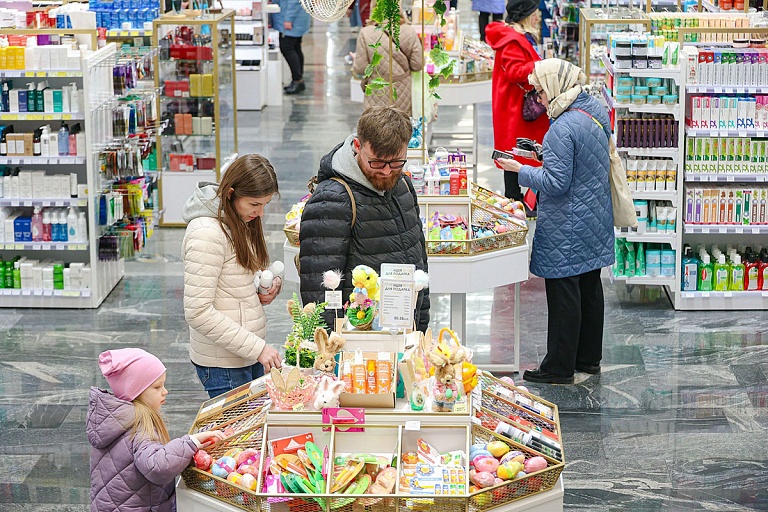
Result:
[
  {"x": 492, "y": 6},
  {"x": 574, "y": 229}
]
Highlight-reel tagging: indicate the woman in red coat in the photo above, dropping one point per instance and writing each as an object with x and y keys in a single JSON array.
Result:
[{"x": 515, "y": 45}]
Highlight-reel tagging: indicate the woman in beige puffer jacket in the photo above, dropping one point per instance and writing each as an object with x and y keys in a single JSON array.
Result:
[
  {"x": 409, "y": 58},
  {"x": 223, "y": 248}
]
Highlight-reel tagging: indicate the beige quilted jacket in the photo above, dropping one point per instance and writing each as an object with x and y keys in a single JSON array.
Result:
[{"x": 227, "y": 326}]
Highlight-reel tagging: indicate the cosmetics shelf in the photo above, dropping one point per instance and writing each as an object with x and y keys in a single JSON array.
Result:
[
  {"x": 757, "y": 294},
  {"x": 672, "y": 153},
  {"x": 26, "y": 292},
  {"x": 727, "y": 177},
  {"x": 195, "y": 156},
  {"x": 728, "y": 89},
  {"x": 655, "y": 195},
  {"x": 692, "y": 132},
  {"x": 42, "y": 160},
  {"x": 74, "y": 201},
  {"x": 45, "y": 246},
  {"x": 722, "y": 301},
  {"x": 48, "y": 73},
  {"x": 648, "y": 237},
  {"x": 671, "y": 73},
  {"x": 646, "y": 280},
  {"x": 726, "y": 229},
  {"x": 42, "y": 116}
]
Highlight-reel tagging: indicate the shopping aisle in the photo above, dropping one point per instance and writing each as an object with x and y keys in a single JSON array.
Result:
[{"x": 677, "y": 420}]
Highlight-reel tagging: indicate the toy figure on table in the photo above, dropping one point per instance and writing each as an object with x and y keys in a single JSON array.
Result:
[
  {"x": 445, "y": 388},
  {"x": 361, "y": 308}
]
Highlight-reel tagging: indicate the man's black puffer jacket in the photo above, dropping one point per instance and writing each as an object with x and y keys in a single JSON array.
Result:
[{"x": 388, "y": 229}]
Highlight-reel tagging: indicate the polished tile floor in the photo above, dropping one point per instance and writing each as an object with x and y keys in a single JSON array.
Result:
[{"x": 677, "y": 421}]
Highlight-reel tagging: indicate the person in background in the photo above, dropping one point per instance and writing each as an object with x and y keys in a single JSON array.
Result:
[
  {"x": 487, "y": 9},
  {"x": 405, "y": 60},
  {"x": 367, "y": 166},
  {"x": 574, "y": 231},
  {"x": 515, "y": 45},
  {"x": 223, "y": 248},
  {"x": 293, "y": 23},
  {"x": 134, "y": 462}
]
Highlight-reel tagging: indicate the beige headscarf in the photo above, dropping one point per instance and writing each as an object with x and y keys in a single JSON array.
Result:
[{"x": 561, "y": 80}]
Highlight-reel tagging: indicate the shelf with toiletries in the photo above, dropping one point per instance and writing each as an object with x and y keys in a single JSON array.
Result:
[
  {"x": 195, "y": 73},
  {"x": 726, "y": 229},
  {"x": 36, "y": 73},
  {"x": 726, "y": 177}
]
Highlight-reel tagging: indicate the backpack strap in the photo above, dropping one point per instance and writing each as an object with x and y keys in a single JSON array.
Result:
[{"x": 351, "y": 197}]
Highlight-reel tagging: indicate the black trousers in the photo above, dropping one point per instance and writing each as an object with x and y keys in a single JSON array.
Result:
[
  {"x": 575, "y": 326},
  {"x": 483, "y": 19},
  {"x": 290, "y": 47},
  {"x": 511, "y": 186}
]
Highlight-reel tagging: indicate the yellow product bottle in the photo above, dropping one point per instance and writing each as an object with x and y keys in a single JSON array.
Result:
[
  {"x": 370, "y": 377},
  {"x": 358, "y": 374},
  {"x": 10, "y": 58},
  {"x": 20, "y": 57},
  {"x": 383, "y": 373},
  {"x": 3, "y": 57}
]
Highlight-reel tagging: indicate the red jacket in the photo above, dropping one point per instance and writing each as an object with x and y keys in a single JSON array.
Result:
[{"x": 515, "y": 58}]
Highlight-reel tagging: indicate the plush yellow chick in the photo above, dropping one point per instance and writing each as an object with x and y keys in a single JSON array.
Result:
[{"x": 364, "y": 277}]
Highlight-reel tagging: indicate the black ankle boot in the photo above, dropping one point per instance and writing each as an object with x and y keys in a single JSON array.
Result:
[{"x": 295, "y": 87}]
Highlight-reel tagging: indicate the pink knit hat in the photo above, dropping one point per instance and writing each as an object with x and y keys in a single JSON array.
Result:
[{"x": 129, "y": 371}]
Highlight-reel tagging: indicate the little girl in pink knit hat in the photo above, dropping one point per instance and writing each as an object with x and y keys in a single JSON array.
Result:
[{"x": 134, "y": 463}]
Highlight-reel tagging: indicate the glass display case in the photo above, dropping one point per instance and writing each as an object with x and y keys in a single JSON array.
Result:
[{"x": 195, "y": 76}]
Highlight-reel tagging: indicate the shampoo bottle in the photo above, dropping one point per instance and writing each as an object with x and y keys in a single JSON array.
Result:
[
  {"x": 72, "y": 234},
  {"x": 762, "y": 271},
  {"x": 737, "y": 274},
  {"x": 358, "y": 374},
  {"x": 63, "y": 231},
  {"x": 383, "y": 373},
  {"x": 721, "y": 274},
  {"x": 705, "y": 274},
  {"x": 55, "y": 226},
  {"x": 690, "y": 271},
  {"x": 45, "y": 147},
  {"x": 47, "y": 226}
]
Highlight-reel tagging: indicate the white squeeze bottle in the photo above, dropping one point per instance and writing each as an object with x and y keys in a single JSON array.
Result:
[
  {"x": 82, "y": 227},
  {"x": 72, "y": 233},
  {"x": 63, "y": 231}
]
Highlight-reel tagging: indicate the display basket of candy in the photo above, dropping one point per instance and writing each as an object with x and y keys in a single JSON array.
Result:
[
  {"x": 237, "y": 457},
  {"x": 509, "y": 233},
  {"x": 292, "y": 235},
  {"x": 496, "y": 204},
  {"x": 509, "y": 401},
  {"x": 237, "y": 410},
  {"x": 530, "y": 472}
]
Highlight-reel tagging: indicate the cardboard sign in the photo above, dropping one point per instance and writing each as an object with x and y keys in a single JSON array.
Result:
[{"x": 344, "y": 416}]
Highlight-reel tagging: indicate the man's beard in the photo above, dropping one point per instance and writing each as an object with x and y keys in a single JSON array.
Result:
[{"x": 385, "y": 184}]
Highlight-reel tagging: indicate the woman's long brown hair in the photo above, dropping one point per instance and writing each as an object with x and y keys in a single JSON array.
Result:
[{"x": 248, "y": 176}]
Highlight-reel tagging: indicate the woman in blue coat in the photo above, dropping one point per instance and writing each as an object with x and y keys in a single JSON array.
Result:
[
  {"x": 487, "y": 9},
  {"x": 574, "y": 231},
  {"x": 292, "y": 22}
]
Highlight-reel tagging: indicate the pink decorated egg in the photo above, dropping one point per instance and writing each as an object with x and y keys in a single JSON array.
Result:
[
  {"x": 486, "y": 464},
  {"x": 514, "y": 456},
  {"x": 248, "y": 456},
  {"x": 482, "y": 478},
  {"x": 535, "y": 464},
  {"x": 497, "y": 481},
  {"x": 247, "y": 469},
  {"x": 202, "y": 460},
  {"x": 248, "y": 481}
]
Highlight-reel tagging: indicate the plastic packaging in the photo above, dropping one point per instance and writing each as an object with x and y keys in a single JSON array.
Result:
[{"x": 640, "y": 258}]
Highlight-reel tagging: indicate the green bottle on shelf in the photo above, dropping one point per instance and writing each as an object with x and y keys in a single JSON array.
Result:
[
  {"x": 706, "y": 270},
  {"x": 737, "y": 274},
  {"x": 721, "y": 274}
]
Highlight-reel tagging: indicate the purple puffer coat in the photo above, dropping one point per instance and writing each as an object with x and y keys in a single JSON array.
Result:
[{"x": 130, "y": 475}]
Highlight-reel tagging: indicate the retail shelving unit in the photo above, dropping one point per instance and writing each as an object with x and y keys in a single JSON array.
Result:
[
  {"x": 589, "y": 18},
  {"x": 104, "y": 274},
  {"x": 195, "y": 70}
]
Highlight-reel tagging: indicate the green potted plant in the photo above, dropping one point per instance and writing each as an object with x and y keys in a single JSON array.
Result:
[{"x": 300, "y": 348}]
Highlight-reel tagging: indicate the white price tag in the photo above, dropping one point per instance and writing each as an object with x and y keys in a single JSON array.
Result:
[
  {"x": 37, "y": 247},
  {"x": 730, "y": 178},
  {"x": 755, "y": 231},
  {"x": 15, "y": 203},
  {"x": 28, "y": 160},
  {"x": 38, "y": 293},
  {"x": 15, "y": 291},
  {"x": 765, "y": 294},
  {"x": 47, "y": 293},
  {"x": 460, "y": 408},
  {"x": 27, "y": 203},
  {"x": 718, "y": 90},
  {"x": 46, "y": 203},
  {"x": 26, "y": 292},
  {"x": 413, "y": 425},
  {"x": 60, "y": 247},
  {"x": 59, "y": 203},
  {"x": 705, "y": 295},
  {"x": 333, "y": 298},
  {"x": 86, "y": 293},
  {"x": 723, "y": 230},
  {"x": 742, "y": 133}
]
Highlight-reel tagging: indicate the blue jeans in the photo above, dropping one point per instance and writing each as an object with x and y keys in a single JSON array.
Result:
[{"x": 217, "y": 381}]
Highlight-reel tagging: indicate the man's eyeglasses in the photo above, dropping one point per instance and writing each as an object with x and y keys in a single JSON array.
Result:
[{"x": 380, "y": 164}]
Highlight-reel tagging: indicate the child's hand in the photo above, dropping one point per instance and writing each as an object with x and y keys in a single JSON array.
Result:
[
  {"x": 210, "y": 436},
  {"x": 268, "y": 297}
]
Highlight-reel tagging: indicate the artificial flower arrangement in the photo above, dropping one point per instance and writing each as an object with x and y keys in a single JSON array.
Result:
[
  {"x": 300, "y": 350},
  {"x": 362, "y": 306}
]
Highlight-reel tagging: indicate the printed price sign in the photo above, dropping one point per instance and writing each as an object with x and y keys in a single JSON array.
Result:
[
  {"x": 397, "y": 303},
  {"x": 333, "y": 298}
]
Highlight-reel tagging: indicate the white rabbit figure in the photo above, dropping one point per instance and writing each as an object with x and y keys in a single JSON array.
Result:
[{"x": 328, "y": 393}]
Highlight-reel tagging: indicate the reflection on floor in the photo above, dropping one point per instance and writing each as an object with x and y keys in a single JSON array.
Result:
[{"x": 677, "y": 420}]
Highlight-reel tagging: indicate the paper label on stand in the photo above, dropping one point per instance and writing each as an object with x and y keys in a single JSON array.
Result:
[
  {"x": 298, "y": 407},
  {"x": 396, "y": 307},
  {"x": 392, "y": 272},
  {"x": 333, "y": 298},
  {"x": 460, "y": 408},
  {"x": 413, "y": 425}
]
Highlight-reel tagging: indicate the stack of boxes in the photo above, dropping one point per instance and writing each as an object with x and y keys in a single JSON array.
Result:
[
  {"x": 712, "y": 204},
  {"x": 713, "y": 155},
  {"x": 30, "y": 274}
]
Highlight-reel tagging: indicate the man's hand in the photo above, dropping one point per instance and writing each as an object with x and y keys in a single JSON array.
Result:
[
  {"x": 509, "y": 165},
  {"x": 288, "y": 25}
]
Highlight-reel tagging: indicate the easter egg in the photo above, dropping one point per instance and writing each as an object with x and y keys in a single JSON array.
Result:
[
  {"x": 247, "y": 469},
  {"x": 235, "y": 478},
  {"x": 523, "y": 388},
  {"x": 234, "y": 453},
  {"x": 509, "y": 207},
  {"x": 509, "y": 470},
  {"x": 519, "y": 205},
  {"x": 520, "y": 474},
  {"x": 504, "y": 200},
  {"x": 508, "y": 380},
  {"x": 248, "y": 481},
  {"x": 513, "y": 456},
  {"x": 497, "y": 448},
  {"x": 202, "y": 460},
  {"x": 535, "y": 464},
  {"x": 208, "y": 485},
  {"x": 248, "y": 456},
  {"x": 476, "y": 447},
  {"x": 219, "y": 471},
  {"x": 488, "y": 464},
  {"x": 481, "y": 453},
  {"x": 360, "y": 315},
  {"x": 482, "y": 478},
  {"x": 519, "y": 214}
]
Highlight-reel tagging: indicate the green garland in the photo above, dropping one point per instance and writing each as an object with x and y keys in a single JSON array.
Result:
[{"x": 304, "y": 325}]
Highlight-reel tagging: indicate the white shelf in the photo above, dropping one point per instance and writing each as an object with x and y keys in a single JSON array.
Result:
[
  {"x": 25, "y": 292},
  {"x": 722, "y": 300},
  {"x": 42, "y": 160},
  {"x": 44, "y": 246},
  {"x": 727, "y": 89},
  {"x": 672, "y": 153},
  {"x": 672, "y": 73},
  {"x": 648, "y": 237},
  {"x": 42, "y": 116},
  {"x": 129, "y": 33},
  {"x": 726, "y": 229},
  {"x": 48, "y": 73},
  {"x": 693, "y": 132},
  {"x": 74, "y": 201},
  {"x": 655, "y": 195},
  {"x": 727, "y": 177},
  {"x": 646, "y": 280},
  {"x": 651, "y": 109}
]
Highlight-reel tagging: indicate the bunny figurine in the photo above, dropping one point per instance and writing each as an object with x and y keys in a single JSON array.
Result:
[
  {"x": 445, "y": 389},
  {"x": 327, "y": 348},
  {"x": 328, "y": 393}
]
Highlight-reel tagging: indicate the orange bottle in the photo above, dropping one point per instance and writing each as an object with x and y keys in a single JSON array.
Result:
[
  {"x": 370, "y": 377},
  {"x": 358, "y": 374},
  {"x": 346, "y": 377}
]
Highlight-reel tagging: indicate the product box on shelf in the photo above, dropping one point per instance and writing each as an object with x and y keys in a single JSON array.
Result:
[{"x": 363, "y": 392}]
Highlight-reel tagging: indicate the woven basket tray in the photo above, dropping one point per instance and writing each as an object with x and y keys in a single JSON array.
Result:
[
  {"x": 219, "y": 488},
  {"x": 292, "y": 235},
  {"x": 540, "y": 481},
  {"x": 514, "y": 237},
  {"x": 240, "y": 416}
]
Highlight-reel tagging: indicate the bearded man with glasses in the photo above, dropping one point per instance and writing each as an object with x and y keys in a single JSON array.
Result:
[{"x": 364, "y": 210}]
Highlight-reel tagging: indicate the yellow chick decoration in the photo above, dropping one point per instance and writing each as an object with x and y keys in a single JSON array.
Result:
[{"x": 365, "y": 278}]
